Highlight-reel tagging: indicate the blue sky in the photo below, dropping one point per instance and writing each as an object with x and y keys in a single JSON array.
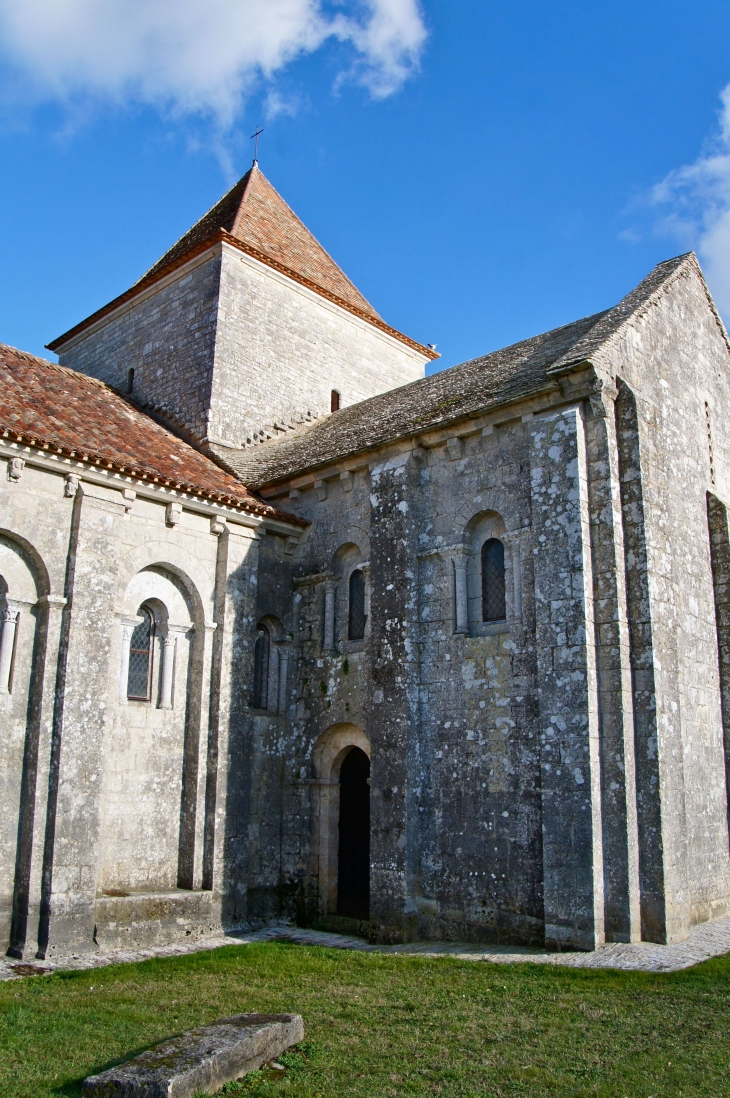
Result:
[{"x": 516, "y": 167}]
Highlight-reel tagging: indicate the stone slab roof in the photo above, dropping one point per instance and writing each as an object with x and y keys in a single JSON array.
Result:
[
  {"x": 474, "y": 387},
  {"x": 59, "y": 410}
]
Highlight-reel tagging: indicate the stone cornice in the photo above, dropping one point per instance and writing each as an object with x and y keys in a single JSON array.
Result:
[{"x": 55, "y": 460}]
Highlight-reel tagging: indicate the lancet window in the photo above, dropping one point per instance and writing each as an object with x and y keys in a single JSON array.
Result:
[
  {"x": 356, "y": 611},
  {"x": 139, "y": 675},
  {"x": 262, "y": 652},
  {"x": 494, "y": 601}
]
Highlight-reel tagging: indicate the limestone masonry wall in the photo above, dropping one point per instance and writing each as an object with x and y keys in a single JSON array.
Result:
[
  {"x": 559, "y": 776},
  {"x": 116, "y": 820},
  {"x": 550, "y": 771},
  {"x": 281, "y": 349},
  {"x": 167, "y": 336},
  {"x": 227, "y": 346}
]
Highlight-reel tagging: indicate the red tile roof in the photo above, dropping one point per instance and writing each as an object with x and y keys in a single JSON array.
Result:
[
  {"x": 253, "y": 213},
  {"x": 254, "y": 218},
  {"x": 59, "y": 410}
]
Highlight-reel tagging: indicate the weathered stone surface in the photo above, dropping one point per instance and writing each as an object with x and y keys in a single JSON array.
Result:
[
  {"x": 552, "y": 774},
  {"x": 227, "y": 346},
  {"x": 203, "y": 1060}
]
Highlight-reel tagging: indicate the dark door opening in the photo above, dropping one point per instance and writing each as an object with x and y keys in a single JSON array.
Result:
[{"x": 353, "y": 861}]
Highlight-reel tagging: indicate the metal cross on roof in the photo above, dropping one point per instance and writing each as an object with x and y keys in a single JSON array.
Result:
[{"x": 256, "y": 147}]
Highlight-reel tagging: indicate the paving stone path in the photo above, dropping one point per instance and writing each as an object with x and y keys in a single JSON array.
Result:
[{"x": 705, "y": 941}]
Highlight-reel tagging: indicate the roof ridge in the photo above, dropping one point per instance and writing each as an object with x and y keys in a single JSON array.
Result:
[
  {"x": 55, "y": 365},
  {"x": 245, "y": 180},
  {"x": 309, "y": 232},
  {"x": 244, "y": 194},
  {"x": 637, "y": 298},
  {"x": 518, "y": 343}
]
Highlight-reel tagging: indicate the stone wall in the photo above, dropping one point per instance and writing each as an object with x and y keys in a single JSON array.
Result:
[
  {"x": 167, "y": 336},
  {"x": 559, "y": 777},
  {"x": 226, "y": 346},
  {"x": 281, "y": 349},
  {"x": 117, "y": 821},
  {"x": 671, "y": 363}
]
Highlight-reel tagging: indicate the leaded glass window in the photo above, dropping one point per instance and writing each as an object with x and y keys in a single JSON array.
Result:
[
  {"x": 494, "y": 604},
  {"x": 140, "y": 658},
  {"x": 261, "y": 668},
  {"x": 356, "y": 616}
]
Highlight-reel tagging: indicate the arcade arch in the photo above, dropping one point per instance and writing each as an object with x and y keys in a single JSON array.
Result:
[{"x": 151, "y": 752}]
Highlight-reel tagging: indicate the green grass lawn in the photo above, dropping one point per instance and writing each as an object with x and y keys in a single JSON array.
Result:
[{"x": 386, "y": 1025}]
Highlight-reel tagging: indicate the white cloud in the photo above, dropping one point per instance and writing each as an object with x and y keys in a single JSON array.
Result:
[
  {"x": 196, "y": 56},
  {"x": 696, "y": 204}
]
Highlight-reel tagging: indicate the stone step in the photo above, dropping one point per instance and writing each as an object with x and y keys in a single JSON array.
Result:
[{"x": 201, "y": 1061}]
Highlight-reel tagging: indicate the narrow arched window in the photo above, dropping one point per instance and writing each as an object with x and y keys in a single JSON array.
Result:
[
  {"x": 334, "y": 401},
  {"x": 139, "y": 676},
  {"x": 494, "y": 603},
  {"x": 130, "y": 380},
  {"x": 261, "y": 668},
  {"x": 356, "y": 613}
]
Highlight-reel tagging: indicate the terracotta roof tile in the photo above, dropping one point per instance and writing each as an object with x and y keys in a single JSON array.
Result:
[
  {"x": 254, "y": 213},
  {"x": 54, "y": 408},
  {"x": 254, "y": 218}
]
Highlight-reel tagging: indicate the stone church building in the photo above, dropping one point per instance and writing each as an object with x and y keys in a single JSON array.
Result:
[{"x": 291, "y": 630}]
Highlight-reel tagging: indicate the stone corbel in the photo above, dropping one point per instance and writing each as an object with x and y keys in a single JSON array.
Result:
[
  {"x": 173, "y": 513},
  {"x": 71, "y": 486},
  {"x": 455, "y": 448},
  {"x": 15, "y": 468},
  {"x": 602, "y": 399}
]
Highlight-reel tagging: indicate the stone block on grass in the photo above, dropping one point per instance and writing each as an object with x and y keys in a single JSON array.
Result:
[{"x": 201, "y": 1061}]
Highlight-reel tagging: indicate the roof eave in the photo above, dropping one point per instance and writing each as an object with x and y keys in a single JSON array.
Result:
[
  {"x": 253, "y": 507},
  {"x": 223, "y": 237}
]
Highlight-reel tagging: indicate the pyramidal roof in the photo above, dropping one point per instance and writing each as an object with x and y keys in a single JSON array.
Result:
[
  {"x": 254, "y": 218},
  {"x": 254, "y": 214}
]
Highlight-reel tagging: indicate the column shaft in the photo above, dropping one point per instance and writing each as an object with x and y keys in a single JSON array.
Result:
[{"x": 9, "y": 620}]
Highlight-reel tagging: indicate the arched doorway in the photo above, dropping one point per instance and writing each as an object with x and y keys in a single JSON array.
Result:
[{"x": 353, "y": 859}]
